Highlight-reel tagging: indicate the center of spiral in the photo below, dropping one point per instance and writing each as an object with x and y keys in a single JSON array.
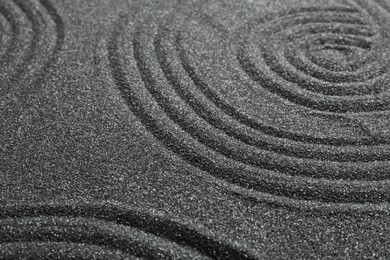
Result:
[
  {"x": 332, "y": 59},
  {"x": 336, "y": 57}
]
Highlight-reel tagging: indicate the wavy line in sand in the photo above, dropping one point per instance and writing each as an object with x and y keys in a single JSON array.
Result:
[
  {"x": 33, "y": 24},
  {"x": 103, "y": 229},
  {"x": 287, "y": 74},
  {"x": 203, "y": 147}
]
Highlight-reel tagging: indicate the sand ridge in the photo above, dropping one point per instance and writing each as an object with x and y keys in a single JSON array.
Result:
[{"x": 194, "y": 129}]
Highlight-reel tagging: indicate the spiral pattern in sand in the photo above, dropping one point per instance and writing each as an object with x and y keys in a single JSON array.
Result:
[{"x": 279, "y": 109}]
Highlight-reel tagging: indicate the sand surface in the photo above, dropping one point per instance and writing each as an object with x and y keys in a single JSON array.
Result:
[{"x": 197, "y": 129}]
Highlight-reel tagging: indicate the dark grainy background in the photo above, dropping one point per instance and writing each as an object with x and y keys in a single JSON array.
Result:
[{"x": 68, "y": 133}]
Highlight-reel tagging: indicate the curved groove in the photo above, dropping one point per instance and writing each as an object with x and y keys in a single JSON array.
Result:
[
  {"x": 200, "y": 161},
  {"x": 346, "y": 40},
  {"x": 202, "y": 112},
  {"x": 36, "y": 30},
  {"x": 252, "y": 158},
  {"x": 357, "y": 104},
  {"x": 59, "y": 251},
  {"x": 293, "y": 70},
  {"x": 269, "y": 130},
  {"x": 180, "y": 234},
  {"x": 300, "y": 61},
  {"x": 32, "y": 53},
  {"x": 326, "y": 194},
  {"x": 363, "y": 33},
  {"x": 75, "y": 230},
  {"x": 313, "y": 79},
  {"x": 336, "y": 25},
  {"x": 339, "y": 106},
  {"x": 324, "y": 83},
  {"x": 168, "y": 139},
  {"x": 229, "y": 110},
  {"x": 15, "y": 31},
  {"x": 312, "y": 9},
  {"x": 60, "y": 32},
  {"x": 351, "y": 67},
  {"x": 314, "y": 207}
]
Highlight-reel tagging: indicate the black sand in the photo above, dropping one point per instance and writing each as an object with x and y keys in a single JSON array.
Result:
[{"x": 194, "y": 129}]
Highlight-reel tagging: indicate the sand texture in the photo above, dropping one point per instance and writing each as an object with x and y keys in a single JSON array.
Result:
[{"x": 196, "y": 129}]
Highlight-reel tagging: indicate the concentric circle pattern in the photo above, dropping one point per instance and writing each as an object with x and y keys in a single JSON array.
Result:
[
  {"x": 328, "y": 59},
  {"x": 102, "y": 230},
  {"x": 288, "y": 106},
  {"x": 32, "y": 33}
]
